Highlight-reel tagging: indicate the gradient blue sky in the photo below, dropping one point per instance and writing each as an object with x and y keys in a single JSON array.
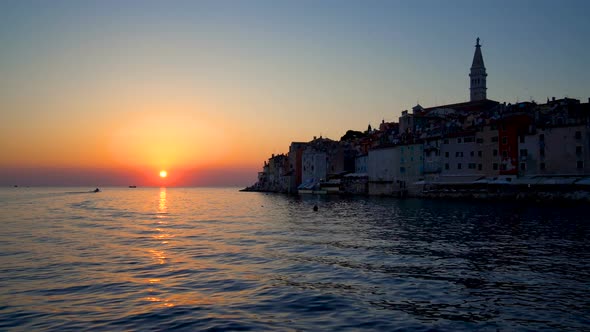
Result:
[{"x": 255, "y": 75}]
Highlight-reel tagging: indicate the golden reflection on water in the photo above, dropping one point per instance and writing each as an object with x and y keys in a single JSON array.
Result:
[
  {"x": 163, "y": 254},
  {"x": 162, "y": 206},
  {"x": 158, "y": 255}
]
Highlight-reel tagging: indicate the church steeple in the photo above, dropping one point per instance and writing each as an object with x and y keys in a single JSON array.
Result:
[{"x": 478, "y": 75}]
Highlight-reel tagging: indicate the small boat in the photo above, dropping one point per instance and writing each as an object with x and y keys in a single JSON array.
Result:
[
  {"x": 96, "y": 190},
  {"x": 132, "y": 186}
]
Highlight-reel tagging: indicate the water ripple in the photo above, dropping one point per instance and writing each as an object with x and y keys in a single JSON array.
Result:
[{"x": 214, "y": 259}]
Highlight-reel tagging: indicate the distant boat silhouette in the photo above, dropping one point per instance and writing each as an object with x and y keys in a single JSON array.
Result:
[
  {"x": 96, "y": 190},
  {"x": 132, "y": 186}
]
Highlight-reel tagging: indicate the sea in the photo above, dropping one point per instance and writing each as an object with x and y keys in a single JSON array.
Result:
[{"x": 216, "y": 259}]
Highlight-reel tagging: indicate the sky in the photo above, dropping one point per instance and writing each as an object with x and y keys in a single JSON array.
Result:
[{"x": 111, "y": 92}]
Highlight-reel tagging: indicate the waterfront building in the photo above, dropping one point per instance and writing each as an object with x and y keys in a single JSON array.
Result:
[
  {"x": 411, "y": 167},
  {"x": 556, "y": 151},
  {"x": 360, "y": 164},
  {"x": 380, "y": 165},
  {"x": 393, "y": 169},
  {"x": 322, "y": 157},
  {"x": 314, "y": 165},
  {"x": 278, "y": 173},
  {"x": 433, "y": 164},
  {"x": 487, "y": 144},
  {"x": 296, "y": 164},
  {"x": 512, "y": 128},
  {"x": 462, "y": 157}
]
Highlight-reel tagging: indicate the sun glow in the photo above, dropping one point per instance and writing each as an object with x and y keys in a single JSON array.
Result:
[{"x": 163, "y": 174}]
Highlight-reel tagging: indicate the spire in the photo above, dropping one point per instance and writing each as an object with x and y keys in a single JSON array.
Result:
[
  {"x": 477, "y": 57},
  {"x": 477, "y": 75}
]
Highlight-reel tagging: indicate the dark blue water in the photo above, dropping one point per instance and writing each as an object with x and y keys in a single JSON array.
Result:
[{"x": 216, "y": 259}]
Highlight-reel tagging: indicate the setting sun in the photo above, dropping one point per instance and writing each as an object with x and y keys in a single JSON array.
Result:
[{"x": 163, "y": 174}]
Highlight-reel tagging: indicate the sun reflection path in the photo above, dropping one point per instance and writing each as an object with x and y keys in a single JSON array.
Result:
[
  {"x": 162, "y": 207},
  {"x": 159, "y": 255}
]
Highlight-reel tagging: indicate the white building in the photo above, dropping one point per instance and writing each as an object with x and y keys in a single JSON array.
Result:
[
  {"x": 394, "y": 169},
  {"x": 555, "y": 151},
  {"x": 360, "y": 164},
  {"x": 314, "y": 165},
  {"x": 380, "y": 165},
  {"x": 462, "y": 156}
]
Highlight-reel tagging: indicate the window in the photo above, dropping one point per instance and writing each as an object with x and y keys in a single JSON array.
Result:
[
  {"x": 578, "y": 135},
  {"x": 542, "y": 138},
  {"x": 459, "y": 166},
  {"x": 479, "y": 167},
  {"x": 495, "y": 153},
  {"x": 446, "y": 154},
  {"x": 471, "y": 166},
  {"x": 542, "y": 166},
  {"x": 578, "y": 150},
  {"x": 458, "y": 154},
  {"x": 446, "y": 141},
  {"x": 503, "y": 167},
  {"x": 495, "y": 166},
  {"x": 495, "y": 139},
  {"x": 468, "y": 140},
  {"x": 312, "y": 167},
  {"x": 523, "y": 152},
  {"x": 521, "y": 139},
  {"x": 480, "y": 153},
  {"x": 402, "y": 169},
  {"x": 523, "y": 166},
  {"x": 472, "y": 153},
  {"x": 580, "y": 164},
  {"x": 459, "y": 140},
  {"x": 479, "y": 141},
  {"x": 446, "y": 166},
  {"x": 504, "y": 154},
  {"x": 542, "y": 152},
  {"x": 504, "y": 140}
]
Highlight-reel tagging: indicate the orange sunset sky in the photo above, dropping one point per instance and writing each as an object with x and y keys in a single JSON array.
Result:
[{"x": 110, "y": 93}]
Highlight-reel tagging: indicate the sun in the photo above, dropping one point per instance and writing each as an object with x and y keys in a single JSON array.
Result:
[{"x": 163, "y": 174}]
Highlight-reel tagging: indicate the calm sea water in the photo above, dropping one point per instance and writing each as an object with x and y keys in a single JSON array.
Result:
[{"x": 217, "y": 259}]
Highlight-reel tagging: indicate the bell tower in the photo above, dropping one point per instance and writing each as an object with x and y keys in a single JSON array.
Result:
[{"x": 477, "y": 76}]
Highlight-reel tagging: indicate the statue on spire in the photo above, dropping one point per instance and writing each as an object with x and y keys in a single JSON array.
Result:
[{"x": 476, "y": 45}]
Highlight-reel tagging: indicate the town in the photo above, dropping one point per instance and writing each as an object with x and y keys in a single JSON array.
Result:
[{"x": 480, "y": 148}]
